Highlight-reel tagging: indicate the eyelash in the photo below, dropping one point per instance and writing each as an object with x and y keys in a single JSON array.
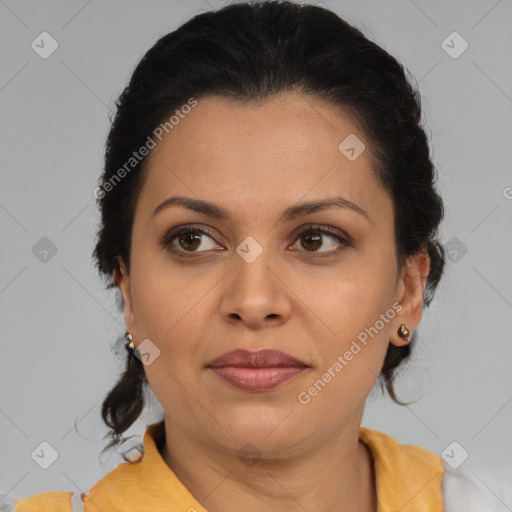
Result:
[{"x": 169, "y": 236}]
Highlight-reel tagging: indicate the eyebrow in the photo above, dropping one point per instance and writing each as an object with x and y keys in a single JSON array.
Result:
[{"x": 291, "y": 213}]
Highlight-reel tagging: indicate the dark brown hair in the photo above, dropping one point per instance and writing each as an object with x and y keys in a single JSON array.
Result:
[{"x": 250, "y": 52}]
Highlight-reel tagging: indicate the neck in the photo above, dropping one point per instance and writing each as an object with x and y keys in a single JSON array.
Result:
[{"x": 337, "y": 475}]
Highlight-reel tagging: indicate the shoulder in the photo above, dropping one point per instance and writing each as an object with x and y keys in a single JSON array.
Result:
[
  {"x": 50, "y": 501},
  {"x": 397, "y": 459},
  {"x": 407, "y": 477},
  {"x": 467, "y": 491},
  {"x": 400, "y": 467}
]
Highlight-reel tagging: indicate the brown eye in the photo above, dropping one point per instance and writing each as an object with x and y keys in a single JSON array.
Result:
[
  {"x": 189, "y": 241},
  {"x": 311, "y": 242},
  {"x": 313, "y": 239},
  {"x": 186, "y": 241}
]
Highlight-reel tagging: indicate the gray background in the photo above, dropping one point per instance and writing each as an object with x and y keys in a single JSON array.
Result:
[{"x": 59, "y": 325}]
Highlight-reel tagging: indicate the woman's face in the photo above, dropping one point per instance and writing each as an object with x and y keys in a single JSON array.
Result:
[{"x": 255, "y": 281}]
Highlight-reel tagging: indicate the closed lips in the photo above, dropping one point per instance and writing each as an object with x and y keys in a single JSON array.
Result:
[
  {"x": 260, "y": 359},
  {"x": 256, "y": 371}
]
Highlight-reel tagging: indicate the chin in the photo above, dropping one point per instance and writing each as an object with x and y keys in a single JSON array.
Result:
[{"x": 273, "y": 430}]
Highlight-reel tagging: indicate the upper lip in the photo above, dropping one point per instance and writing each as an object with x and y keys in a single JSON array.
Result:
[{"x": 261, "y": 359}]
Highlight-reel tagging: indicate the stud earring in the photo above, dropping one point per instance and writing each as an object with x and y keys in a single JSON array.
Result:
[
  {"x": 403, "y": 332},
  {"x": 130, "y": 346}
]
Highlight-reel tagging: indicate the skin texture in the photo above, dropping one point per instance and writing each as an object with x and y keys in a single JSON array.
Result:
[{"x": 255, "y": 161}]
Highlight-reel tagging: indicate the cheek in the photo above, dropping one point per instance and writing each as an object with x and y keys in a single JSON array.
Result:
[
  {"x": 358, "y": 310},
  {"x": 169, "y": 311},
  {"x": 164, "y": 296},
  {"x": 353, "y": 301},
  {"x": 350, "y": 361}
]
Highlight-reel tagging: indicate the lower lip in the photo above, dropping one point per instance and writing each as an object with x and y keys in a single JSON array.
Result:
[{"x": 257, "y": 379}]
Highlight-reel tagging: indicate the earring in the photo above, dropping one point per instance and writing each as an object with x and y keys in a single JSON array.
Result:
[
  {"x": 403, "y": 332},
  {"x": 130, "y": 345}
]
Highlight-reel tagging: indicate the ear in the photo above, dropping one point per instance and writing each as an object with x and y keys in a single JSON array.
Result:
[
  {"x": 122, "y": 280},
  {"x": 410, "y": 288}
]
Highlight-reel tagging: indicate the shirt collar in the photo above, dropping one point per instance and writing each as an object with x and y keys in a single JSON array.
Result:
[{"x": 406, "y": 476}]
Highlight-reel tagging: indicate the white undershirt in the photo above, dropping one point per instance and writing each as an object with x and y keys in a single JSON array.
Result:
[{"x": 471, "y": 491}]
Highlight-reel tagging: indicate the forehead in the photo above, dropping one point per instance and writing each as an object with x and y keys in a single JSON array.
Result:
[{"x": 279, "y": 150}]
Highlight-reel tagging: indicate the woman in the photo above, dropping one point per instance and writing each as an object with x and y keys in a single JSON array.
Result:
[{"x": 269, "y": 215}]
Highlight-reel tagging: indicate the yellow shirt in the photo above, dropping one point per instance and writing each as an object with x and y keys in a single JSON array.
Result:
[{"x": 408, "y": 479}]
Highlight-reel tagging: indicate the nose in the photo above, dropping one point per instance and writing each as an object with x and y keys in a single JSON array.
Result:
[{"x": 255, "y": 294}]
